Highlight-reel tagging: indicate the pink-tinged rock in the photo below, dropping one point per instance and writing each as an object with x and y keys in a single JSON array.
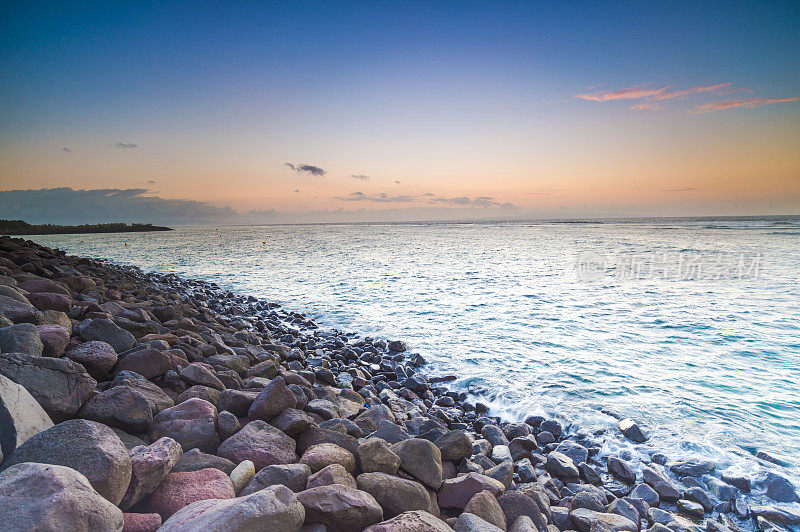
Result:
[
  {"x": 322, "y": 455},
  {"x": 272, "y": 509},
  {"x": 141, "y": 522},
  {"x": 97, "y": 357},
  {"x": 149, "y": 363},
  {"x": 260, "y": 443},
  {"x": 78, "y": 283},
  {"x": 192, "y": 423},
  {"x": 339, "y": 508},
  {"x": 272, "y": 400},
  {"x": 150, "y": 465},
  {"x": 44, "y": 285},
  {"x": 457, "y": 492},
  {"x": 50, "y": 301},
  {"x": 182, "y": 489},
  {"x": 54, "y": 338}
]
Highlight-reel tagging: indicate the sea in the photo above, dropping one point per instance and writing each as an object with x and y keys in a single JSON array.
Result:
[{"x": 689, "y": 326}]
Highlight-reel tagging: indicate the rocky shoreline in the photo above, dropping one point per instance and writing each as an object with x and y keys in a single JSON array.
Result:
[{"x": 139, "y": 402}]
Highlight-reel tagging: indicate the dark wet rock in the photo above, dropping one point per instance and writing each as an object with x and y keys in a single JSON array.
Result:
[
  {"x": 107, "y": 331},
  {"x": 292, "y": 421},
  {"x": 625, "y": 509},
  {"x": 272, "y": 400},
  {"x": 260, "y": 443},
  {"x": 20, "y": 416},
  {"x": 21, "y": 338},
  {"x": 561, "y": 465},
  {"x": 522, "y": 447},
  {"x": 664, "y": 487},
  {"x": 293, "y": 476},
  {"x": 516, "y": 504},
  {"x": 494, "y": 435},
  {"x": 740, "y": 482},
  {"x": 576, "y": 451},
  {"x": 375, "y": 456},
  {"x": 149, "y": 363},
  {"x": 421, "y": 459},
  {"x": 88, "y": 447},
  {"x": 621, "y": 469},
  {"x": 150, "y": 465},
  {"x": 723, "y": 491},
  {"x": 50, "y": 301},
  {"x": 275, "y": 508},
  {"x": 589, "y": 473},
  {"x": 390, "y": 432},
  {"x": 192, "y": 424},
  {"x": 778, "y": 488},
  {"x": 54, "y": 339},
  {"x": 646, "y": 493},
  {"x": 457, "y": 492},
  {"x": 181, "y": 489},
  {"x": 324, "y": 454},
  {"x": 545, "y": 438},
  {"x": 780, "y": 516},
  {"x": 237, "y": 402},
  {"x": 314, "y": 435},
  {"x": 699, "y": 496},
  {"x": 97, "y": 357},
  {"x": 59, "y": 385},
  {"x": 395, "y": 495},
  {"x": 119, "y": 407},
  {"x": 552, "y": 426},
  {"x": 414, "y": 521},
  {"x": 632, "y": 431},
  {"x": 195, "y": 460},
  {"x": 227, "y": 424},
  {"x": 586, "y": 520},
  {"x": 693, "y": 468},
  {"x": 35, "y": 496},
  {"x": 339, "y": 508},
  {"x": 690, "y": 507},
  {"x": 589, "y": 499}
]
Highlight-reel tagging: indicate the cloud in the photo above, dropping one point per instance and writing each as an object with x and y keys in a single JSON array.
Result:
[
  {"x": 744, "y": 104},
  {"x": 537, "y": 194},
  {"x": 306, "y": 168},
  {"x": 643, "y": 92},
  {"x": 360, "y": 177},
  {"x": 126, "y": 145},
  {"x": 645, "y": 107},
  {"x": 68, "y": 206},
  {"x": 382, "y": 197},
  {"x": 67, "y": 150},
  {"x": 465, "y": 201}
]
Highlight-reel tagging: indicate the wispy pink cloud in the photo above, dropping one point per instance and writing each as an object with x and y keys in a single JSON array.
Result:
[
  {"x": 645, "y": 107},
  {"x": 642, "y": 92},
  {"x": 744, "y": 104}
]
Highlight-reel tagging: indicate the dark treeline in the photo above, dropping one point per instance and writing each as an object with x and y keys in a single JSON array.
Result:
[{"x": 20, "y": 227}]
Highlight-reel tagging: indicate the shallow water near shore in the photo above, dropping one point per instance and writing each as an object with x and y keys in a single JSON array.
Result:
[{"x": 690, "y": 327}]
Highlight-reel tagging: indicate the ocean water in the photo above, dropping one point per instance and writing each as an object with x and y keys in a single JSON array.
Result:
[{"x": 690, "y": 327}]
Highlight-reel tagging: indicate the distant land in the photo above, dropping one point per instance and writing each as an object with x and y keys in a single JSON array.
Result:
[{"x": 20, "y": 227}]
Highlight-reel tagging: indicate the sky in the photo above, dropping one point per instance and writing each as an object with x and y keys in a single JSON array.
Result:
[{"x": 345, "y": 111}]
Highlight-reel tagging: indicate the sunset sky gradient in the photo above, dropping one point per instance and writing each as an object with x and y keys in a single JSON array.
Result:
[{"x": 409, "y": 110}]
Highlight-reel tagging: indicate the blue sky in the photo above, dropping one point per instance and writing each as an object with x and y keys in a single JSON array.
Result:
[{"x": 456, "y": 99}]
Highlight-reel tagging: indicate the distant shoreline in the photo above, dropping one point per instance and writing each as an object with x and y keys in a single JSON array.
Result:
[{"x": 19, "y": 227}]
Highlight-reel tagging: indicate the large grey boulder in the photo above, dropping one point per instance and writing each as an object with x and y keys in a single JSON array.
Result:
[
  {"x": 468, "y": 522},
  {"x": 275, "y": 508},
  {"x": 395, "y": 495},
  {"x": 18, "y": 311},
  {"x": 120, "y": 407},
  {"x": 339, "y": 508},
  {"x": 585, "y": 520},
  {"x": 149, "y": 466},
  {"x": 293, "y": 476},
  {"x": 260, "y": 443},
  {"x": 20, "y": 416},
  {"x": 21, "y": 338},
  {"x": 50, "y": 497},
  {"x": 87, "y": 447},
  {"x": 192, "y": 423},
  {"x": 414, "y": 521},
  {"x": 107, "y": 331},
  {"x": 97, "y": 357},
  {"x": 61, "y": 386},
  {"x": 422, "y": 460}
]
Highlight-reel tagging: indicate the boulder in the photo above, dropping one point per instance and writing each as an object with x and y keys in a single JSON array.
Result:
[
  {"x": 195, "y": 460},
  {"x": 236, "y": 401},
  {"x": 97, "y": 357},
  {"x": 454, "y": 445},
  {"x": 201, "y": 392},
  {"x": 293, "y": 476},
  {"x": 20, "y": 416},
  {"x": 375, "y": 456},
  {"x": 149, "y": 466},
  {"x": 324, "y": 454},
  {"x": 395, "y": 495},
  {"x": 632, "y": 431},
  {"x": 275, "y": 508},
  {"x": 577, "y": 452},
  {"x": 18, "y": 311},
  {"x": 54, "y": 339},
  {"x": 197, "y": 373},
  {"x": 272, "y": 400},
  {"x": 119, "y": 407},
  {"x": 178, "y": 490},
  {"x": 339, "y": 508},
  {"x": 242, "y": 475},
  {"x": 141, "y": 522},
  {"x": 314, "y": 435},
  {"x": 192, "y": 424},
  {"x": 414, "y": 521},
  {"x": 39, "y": 284},
  {"x": 107, "y": 331},
  {"x": 52, "y": 497},
  {"x": 332, "y": 474},
  {"x": 21, "y": 338},
  {"x": 586, "y": 520},
  {"x": 621, "y": 470},
  {"x": 292, "y": 421},
  {"x": 87, "y": 447},
  {"x": 59, "y": 385},
  {"x": 149, "y": 363},
  {"x": 50, "y": 301},
  {"x": 467, "y": 522},
  {"x": 561, "y": 466},
  {"x": 421, "y": 459},
  {"x": 156, "y": 397},
  {"x": 692, "y": 468},
  {"x": 457, "y": 492},
  {"x": 516, "y": 504},
  {"x": 485, "y": 506},
  {"x": 227, "y": 424},
  {"x": 779, "y": 489},
  {"x": 260, "y": 443},
  {"x": 662, "y": 485}
]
